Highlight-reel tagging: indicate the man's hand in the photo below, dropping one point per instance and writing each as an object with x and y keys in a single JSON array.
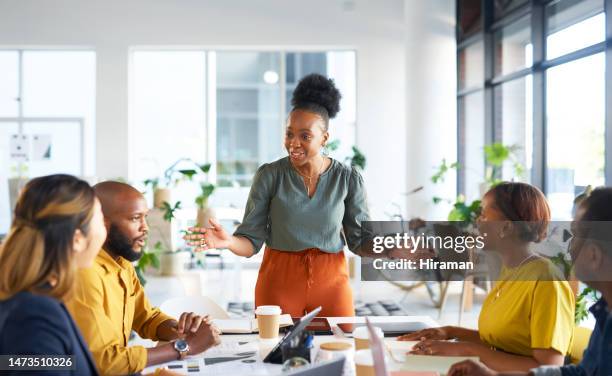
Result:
[
  {"x": 206, "y": 336},
  {"x": 190, "y": 322}
]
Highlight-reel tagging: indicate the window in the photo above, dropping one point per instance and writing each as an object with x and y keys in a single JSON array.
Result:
[
  {"x": 572, "y": 25},
  {"x": 544, "y": 94},
  {"x": 227, "y": 108},
  {"x": 53, "y": 108},
  {"x": 514, "y": 126},
  {"x": 471, "y": 144},
  {"x": 513, "y": 47},
  {"x": 248, "y": 114},
  {"x": 575, "y": 138},
  {"x": 471, "y": 66}
]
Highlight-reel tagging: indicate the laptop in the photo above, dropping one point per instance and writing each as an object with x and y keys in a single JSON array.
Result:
[{"x": 331, "y": 368}]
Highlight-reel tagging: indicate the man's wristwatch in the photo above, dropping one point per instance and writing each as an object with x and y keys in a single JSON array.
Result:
[{"x": 182, "y": 347}]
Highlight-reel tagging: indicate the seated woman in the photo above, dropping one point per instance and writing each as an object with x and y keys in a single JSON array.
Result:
[
  {"x": 58, "y": 227},
  {"x": 528, "y": 318},
  {"x": 591, "y": 252}
]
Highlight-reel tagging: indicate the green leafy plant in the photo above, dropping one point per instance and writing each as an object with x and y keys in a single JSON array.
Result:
[
  {"x": 582, "y": 311},
  {"x": 357, "y": 159},
  {"x": 582, "y": 299},
  {"x": 148, "y": 258},
  {"x": 169, "y": 210},
  {"x": 496, "y": 155},
  {"x": 465, "y": 212},
  {"x": 206, "y": 190}
]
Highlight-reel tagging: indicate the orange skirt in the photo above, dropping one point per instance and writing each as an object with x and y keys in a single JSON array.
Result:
[{"x": 299, "y": 282}]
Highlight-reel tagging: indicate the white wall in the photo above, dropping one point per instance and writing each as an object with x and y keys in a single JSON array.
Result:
[
  {"x": 394, "y": 49},
  {"x": 431, "y": 107}
]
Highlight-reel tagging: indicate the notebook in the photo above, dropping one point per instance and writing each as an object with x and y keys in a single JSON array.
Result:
[
  {"x": 432, "y": 363},
  {"x": 246, "y": 325}
]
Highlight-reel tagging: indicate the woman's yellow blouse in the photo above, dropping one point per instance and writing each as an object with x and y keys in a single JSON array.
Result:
[{"x": 530, "y": 307}]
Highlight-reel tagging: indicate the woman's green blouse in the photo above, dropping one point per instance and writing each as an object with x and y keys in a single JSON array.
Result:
[{"x": 280, "y": 213}]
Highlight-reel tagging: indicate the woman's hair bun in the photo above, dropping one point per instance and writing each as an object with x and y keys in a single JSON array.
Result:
[{"x": 318, "y": 90}]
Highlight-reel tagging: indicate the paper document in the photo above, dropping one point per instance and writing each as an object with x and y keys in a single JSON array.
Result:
[
  {"x": 399, "y": 349},
  {"x": 246, "y": 326},
  {"x": 432, "y": 363}
]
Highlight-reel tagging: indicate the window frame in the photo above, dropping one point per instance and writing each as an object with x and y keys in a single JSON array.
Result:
[{"x": 535, "y": 10}]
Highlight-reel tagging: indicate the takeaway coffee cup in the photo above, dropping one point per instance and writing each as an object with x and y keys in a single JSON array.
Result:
[
  {"x": 364, "y": 363},
  {"x": 362, "y": 337},
  {"x": 268, "y": 321}
]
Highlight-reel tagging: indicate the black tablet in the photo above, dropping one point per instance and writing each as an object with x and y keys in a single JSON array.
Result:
[
  {"x": 391, "y": 329},
  {"x": 275, "y": 356}
]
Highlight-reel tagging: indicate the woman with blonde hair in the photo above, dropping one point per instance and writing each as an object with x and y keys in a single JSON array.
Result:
[{"x": 58, "y": 227}]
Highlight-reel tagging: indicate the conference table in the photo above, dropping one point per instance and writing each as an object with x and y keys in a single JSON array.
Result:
[{"x": 238, "y": 346}]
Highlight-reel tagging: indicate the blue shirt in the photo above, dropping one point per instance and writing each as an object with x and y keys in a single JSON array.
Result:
[{"x": 597, "y": 359}]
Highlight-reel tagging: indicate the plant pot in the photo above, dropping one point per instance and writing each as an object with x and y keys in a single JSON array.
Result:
[
  {"x": 204, "y": 214},
  {"x": 160, "y": 195},
  {"x": 173, "y": 263}
]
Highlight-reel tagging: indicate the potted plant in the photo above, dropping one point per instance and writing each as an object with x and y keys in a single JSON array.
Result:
[
  {"x": 171, "y": 178},
  {"x": 204, "y": 211},
  {"x": 172, "y": 262}
]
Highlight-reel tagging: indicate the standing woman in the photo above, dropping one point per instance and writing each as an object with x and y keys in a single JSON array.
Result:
[
  {"x": 301, "y": 206},
  {"x": 58, "y": 227}
]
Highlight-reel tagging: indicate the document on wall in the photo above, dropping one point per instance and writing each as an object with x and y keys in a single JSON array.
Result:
[
  {"x": 246, "y": 325},
  {"x": 433, "y": 363}
]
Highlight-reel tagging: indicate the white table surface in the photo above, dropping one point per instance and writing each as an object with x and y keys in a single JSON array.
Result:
[{"x": 262, "y": 348}]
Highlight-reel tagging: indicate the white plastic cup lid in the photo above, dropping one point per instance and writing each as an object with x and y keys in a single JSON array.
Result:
[
  {"x": 268, "y": 310},
  {"x": 362, "y": 332}
]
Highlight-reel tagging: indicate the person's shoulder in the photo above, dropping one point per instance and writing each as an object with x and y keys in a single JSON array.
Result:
[
  {"x": 344, "y": 171},
  {"x": 26, "y": 302},
  {"x": 277, "y": 165},
  {"x": 544, "y": 269},
  {"x": 27, "y": 306},
  {"x": 268, "y": 172}
]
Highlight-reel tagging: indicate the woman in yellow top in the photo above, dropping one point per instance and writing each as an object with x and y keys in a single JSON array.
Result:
[{"x": 528, "y": 318}]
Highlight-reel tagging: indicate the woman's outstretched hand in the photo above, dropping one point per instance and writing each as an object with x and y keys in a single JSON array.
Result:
[{"x": 205, "y": 238}]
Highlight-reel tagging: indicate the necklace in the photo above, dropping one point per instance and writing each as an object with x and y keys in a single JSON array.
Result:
[
  {"x": 309, "y": 178},
  {"x": 498, "y": 292}
]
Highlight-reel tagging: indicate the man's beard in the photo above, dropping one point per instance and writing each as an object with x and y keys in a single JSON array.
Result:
[{"x": 121, "y": 245}]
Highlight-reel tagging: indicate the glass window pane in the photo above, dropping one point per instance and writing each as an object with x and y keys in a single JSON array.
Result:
[
  {"x": 503, "y": 7},
  {"x": 248, "y": 114},
  {"x": 471, "y": 143},
  {"x": 64, "y": 154},
  {"x": 470, "y": 19},
  {"x": 62, "y": 84},
  {"x": 340, "y": 66},
  {"x": 471, "y": 66},
  {"x": 514, "y": 126},
  {"x": 575, "y": 105},
  {"x": 572, "y": 25},
  {"x": 168, "y": 96},
  {"x": 513, "y": 50},
  {"x": 8, "y": 169},
  {"x": 9, "y": 83}
]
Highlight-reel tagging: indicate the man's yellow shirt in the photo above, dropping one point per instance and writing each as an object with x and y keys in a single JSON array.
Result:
[{"x": 108, "y": 303}]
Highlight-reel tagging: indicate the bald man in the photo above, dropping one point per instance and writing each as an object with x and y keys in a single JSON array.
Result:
[{"x": 109, "y": 301}]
